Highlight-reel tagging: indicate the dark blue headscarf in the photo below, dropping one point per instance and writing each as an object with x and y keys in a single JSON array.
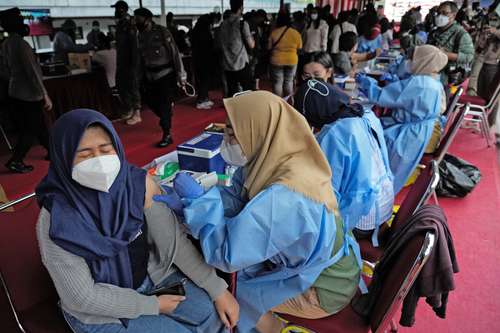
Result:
[
  {"x": 322, "y": 103},
  {"x": 95, "y": 225}
]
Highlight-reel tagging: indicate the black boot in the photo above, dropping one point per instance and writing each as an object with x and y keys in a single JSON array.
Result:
[
  {"x": 165, "y": 140},
  {"x": 18, "y": 167}
]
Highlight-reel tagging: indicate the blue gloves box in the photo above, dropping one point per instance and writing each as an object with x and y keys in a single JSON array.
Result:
[{"x": 202, "y": 154}]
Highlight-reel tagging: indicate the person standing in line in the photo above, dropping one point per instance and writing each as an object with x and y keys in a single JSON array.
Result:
[
  {"x": 234, "y": 39},
  {"x": 315, "y": 36},
  {"x": 95, "y": 36},
  {"x": 203, "y": 59},
  {"x": 26, "y": 91},
  {"x": 162, "y": 68},
  {"x": 127, "y": 64},
  {"x": 284, "y": 44},
  {"x": 342, "y": 27}
]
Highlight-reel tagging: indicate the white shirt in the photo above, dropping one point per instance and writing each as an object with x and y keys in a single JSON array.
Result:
[
  {"x": 337, "y": 31},
  {"x": 316, "y": 40}
]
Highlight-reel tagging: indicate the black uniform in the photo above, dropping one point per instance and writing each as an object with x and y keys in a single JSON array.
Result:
[
  {"x": 162, "y": 69},
  {"x": 127, "y": 64}
]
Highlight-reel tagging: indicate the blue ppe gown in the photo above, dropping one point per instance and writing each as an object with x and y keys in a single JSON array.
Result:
[
  {"x": 279, "y": 242},
  {"x": 366, "y": 45},
  {"x": 362, "y": 179},
  {"x": 416, "y": 104}
]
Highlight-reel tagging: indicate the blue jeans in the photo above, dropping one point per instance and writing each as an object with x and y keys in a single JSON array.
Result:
[
  {"x": 282, "y": 79},
  {"x": 196, "y": 314}
]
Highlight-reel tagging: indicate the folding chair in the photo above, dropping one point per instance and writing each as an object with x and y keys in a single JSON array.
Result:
[
  {"x": 452, "y": 107},
  {"x": 28, "y": 299},
  {"x": 450, "y": 134},
  {"x": 419, "y": 194},
  {"x": 404, "y": 272},
  {"x": 480, "y": 109}
]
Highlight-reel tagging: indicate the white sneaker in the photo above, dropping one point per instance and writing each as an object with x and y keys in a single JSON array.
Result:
[
  {"x": 209, "y": 102},
  {"x": 203, "y": 106}
]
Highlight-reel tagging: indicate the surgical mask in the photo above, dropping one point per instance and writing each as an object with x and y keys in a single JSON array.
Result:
[
  {"x": 441, "y": 21},
  {"x": 314, "y": 17},
  {"x": 95, "y": 28},
  {"x": 97, "y": 173},
  {"x": 233, "y": 154}
]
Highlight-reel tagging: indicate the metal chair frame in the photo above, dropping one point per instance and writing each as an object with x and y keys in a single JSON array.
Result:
[
  {"x": 2, "y": 280},
  {"x": 412, "y": 275},
  {"x": 481, "y": 112}
]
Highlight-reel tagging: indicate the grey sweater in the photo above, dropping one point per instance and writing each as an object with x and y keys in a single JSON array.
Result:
[{"x": 99, "y": 303}]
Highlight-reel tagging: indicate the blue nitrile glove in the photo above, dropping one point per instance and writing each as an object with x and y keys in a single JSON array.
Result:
[
  {"x": 187, "y": 187},
  {"x": 171, "y": 199},
  {"x": 388, "y": 77}
]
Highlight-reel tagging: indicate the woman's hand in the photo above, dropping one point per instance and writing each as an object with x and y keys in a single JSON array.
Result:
[
  {"x": 47, "y": 103},
  {"x": 228, "y": 309},
  {"x": 168, "y": 303}
]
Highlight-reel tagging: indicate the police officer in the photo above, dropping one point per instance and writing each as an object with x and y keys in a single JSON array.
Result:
[
  {"x": 162, "y": 69},
  {"x": 127, "y": 63}
]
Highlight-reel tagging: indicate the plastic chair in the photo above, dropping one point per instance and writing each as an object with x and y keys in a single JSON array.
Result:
[
  {"x": 28, "y": 299},
  {"x": 403, "y": 274},
  {"x": 480, "y": 109},
  {"x": 419, "y": 194}
]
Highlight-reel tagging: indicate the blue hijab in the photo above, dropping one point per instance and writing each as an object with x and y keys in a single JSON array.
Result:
[{"x": 95, "y": 225}]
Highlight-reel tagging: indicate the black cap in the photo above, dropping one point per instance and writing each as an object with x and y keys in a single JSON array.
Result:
[
  {"x": 10, "y": 16},
  {"x": 144, "y": 12},
  {"x": 120, "y": 4}
]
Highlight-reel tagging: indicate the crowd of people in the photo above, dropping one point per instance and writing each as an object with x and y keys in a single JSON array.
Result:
[{"x": 317, "y": 169}]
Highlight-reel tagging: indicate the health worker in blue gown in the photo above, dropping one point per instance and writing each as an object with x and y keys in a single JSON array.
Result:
[
  {"x": 277, "y": 226},
  {"x": 353, "y": 141},
  {"x": 416, "y": 105}
]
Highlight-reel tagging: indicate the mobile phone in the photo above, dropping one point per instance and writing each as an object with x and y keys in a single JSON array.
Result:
[{"x": 173, "y": 289}]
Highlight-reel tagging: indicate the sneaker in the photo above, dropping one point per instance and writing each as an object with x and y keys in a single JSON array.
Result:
[
  {"x": 203, "y": 106},
  {"x": 211, "y": 103},
  {"x": 136, "y": 118}
]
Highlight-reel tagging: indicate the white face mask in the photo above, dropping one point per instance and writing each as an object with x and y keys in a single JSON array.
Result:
[
  {"x": 97, "y": 173},
  {"x": 233, "y": 154},
  {"x": 314, "y": 17},
  {"x": 441, "y": 21}
]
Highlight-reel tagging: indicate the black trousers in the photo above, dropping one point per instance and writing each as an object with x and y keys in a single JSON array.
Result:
[
  {"x": 28, "y": 120},
  {"x": 159, "y": 96},
  {"x": 242, "y": 77},
  {"x": 202, "y": 74}
]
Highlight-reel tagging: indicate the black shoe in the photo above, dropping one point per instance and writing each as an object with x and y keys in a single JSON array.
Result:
[
  {"x": 165, "y": 141},
  {"x": 19, "y": 167}
]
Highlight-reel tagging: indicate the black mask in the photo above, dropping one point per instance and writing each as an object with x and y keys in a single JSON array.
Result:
[
  {"x": 141, "y": 26},
  {"x": 25, "y": 30}
]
